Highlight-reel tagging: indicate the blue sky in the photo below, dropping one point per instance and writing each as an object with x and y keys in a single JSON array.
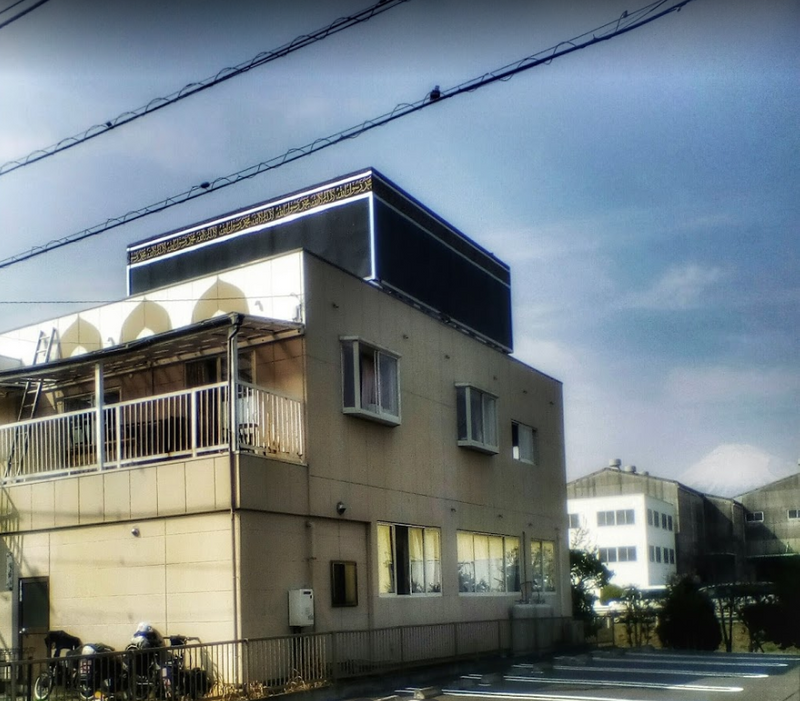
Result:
[{"x": 644, "y": 191}]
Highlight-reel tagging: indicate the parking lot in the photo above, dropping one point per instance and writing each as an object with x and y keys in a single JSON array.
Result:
[{"x": 632, "y": 675}]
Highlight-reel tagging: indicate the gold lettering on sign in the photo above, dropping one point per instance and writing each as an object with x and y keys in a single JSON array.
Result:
[{"x": 299, "y": 205}]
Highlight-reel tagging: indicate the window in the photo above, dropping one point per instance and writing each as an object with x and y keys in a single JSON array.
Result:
[
  {"x": 625, "y": 517},
  {"x": 543, "y": 565},
  {"x": 671, "y": 556},
  {"x": 370, "y": 382},
  {"x": 669, "y": 522},
  {"x": 649, "y": 517},
  {"x": 794, "y": 514},
  {"x": 754, "y": 517},
  {"x": 652, "y": 552},
  {"x": 607, "y": 554},
  {"x": 574, "y": 520},
  {"x": 409, "y": 560},
  {"x": 344, "y": 584},
  {"x": 523, "y": 443},
  {"x": 477, "y": 419},
  {"x": 658, "y": 554},
  {"x": 622, "y": 554},
  {"x": 664, "y": 521},
  {"x": 605, "y": 518},
  {"x": 487, "y": 563},
  {"x": 656, "y": 518}
]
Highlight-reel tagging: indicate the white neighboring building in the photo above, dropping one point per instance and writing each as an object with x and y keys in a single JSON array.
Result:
[{"x": 634, "y": 535}]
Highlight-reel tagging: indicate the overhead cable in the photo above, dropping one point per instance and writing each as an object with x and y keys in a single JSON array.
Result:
[
  {"x": 22, "y": 13},
  {"x": 193, "y": 88},
  {"x": 11, "y": 6},
  {"x": 626, "y": 23}
]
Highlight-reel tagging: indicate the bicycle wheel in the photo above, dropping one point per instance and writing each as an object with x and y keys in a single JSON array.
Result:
[{"x": 43, "y": 686}]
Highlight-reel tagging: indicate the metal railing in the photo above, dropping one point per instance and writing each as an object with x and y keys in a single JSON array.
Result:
[
  {"x": 256, "y": 668},
  {"x": 180, "y": 424}
]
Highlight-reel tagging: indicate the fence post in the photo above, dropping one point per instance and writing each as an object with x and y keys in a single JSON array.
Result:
[{"x": 334, "y": 673}]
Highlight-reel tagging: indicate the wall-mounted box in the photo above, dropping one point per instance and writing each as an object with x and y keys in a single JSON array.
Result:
[{"x": 301, "y": 608}]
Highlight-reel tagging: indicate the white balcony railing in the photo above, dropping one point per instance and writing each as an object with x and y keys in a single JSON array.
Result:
[{"x": 165, "y": 427}]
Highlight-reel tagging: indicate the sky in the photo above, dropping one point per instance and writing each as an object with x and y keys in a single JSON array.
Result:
[{"x": 644, "y": 191}]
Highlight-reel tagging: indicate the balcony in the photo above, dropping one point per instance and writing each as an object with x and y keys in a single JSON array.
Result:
[{"x": 172, "y": 426}]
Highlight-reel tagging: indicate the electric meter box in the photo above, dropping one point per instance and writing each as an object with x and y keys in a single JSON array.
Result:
[{"x": 301, "y": 608}]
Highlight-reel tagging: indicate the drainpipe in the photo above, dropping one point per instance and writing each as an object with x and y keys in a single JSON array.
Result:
[{"x": 233, "y": 374}]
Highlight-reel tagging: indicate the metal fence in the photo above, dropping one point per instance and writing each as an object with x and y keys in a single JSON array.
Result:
[{"x": 261, "y": 667}]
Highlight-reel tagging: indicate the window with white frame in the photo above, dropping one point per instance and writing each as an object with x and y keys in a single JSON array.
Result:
[
  {"x": 409, "y": 559},
  {"x": 623, "y": 553},
  {"x": 652, "y": 551},
  {"x": 477, "y": 418},
  {"x": 794, "y": 514},
  {"x": 543, "y": 565},
  {"x": 370, "y": 382},
  {"x": 606, "y": 518},
  {"x": 523, "y": 443},
  {"x": 487, "y": 563},
  {"x": 574, "y": 520},
  {"x": 669, "y": 522},
  {"x": 625, "y": 517},
  {"x": 754, "y": 517}
]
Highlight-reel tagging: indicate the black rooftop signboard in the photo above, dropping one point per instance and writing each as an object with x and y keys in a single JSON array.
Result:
[{"x": 362, "y": 223}]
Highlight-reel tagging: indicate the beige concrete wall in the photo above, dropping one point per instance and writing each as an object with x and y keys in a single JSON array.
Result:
[
  {"x": 176, "y": 574},
  {"x": 282, "y": 552},
  {"x": 415, "y": 473}
]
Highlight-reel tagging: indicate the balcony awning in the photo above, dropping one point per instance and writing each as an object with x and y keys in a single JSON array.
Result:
[{"x": 203, "y": 338}]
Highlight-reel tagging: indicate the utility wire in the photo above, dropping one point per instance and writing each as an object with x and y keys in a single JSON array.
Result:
[
  {"x": 22, "y": 13},
  {"x": 11, "y": 6},
  {"x": 627, "y": 22},
  {"x": 158, "y": 103}
]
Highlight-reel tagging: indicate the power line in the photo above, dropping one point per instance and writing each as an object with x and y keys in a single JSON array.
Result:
[
  {"x": 22, "y": 13},
  {"x": 193, "y": 88},
  {"x": 11, "y": 6},
  {"x": 625, "y": 23}
]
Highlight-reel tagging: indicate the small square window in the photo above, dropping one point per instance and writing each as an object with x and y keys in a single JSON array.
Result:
[
  {"x": 523, "y": 443},
  {"x": 754, "y": 517},
  {"x": 344, "y": 584},
  {"x": 477, "y": 419},
  {"x": 574, "y": 520},
  {"x": 370, "y": 382}
]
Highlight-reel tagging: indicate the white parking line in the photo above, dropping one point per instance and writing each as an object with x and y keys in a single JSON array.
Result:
[
  {"x": 682, "y": 659},
  {"x": 528, "y": 697},
  {"x": 683, "y": 672},
  {"x": 638, "y": 685}
]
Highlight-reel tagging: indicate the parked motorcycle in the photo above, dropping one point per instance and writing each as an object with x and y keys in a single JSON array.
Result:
[
  {"x": 62, "y": 649},
  {"x": 100, "y": 672},
  {"x": 178, "y": 682}
]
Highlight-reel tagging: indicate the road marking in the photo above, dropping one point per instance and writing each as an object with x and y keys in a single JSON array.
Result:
[
  {"x": 530, "y": 697},
  {"x": 694, "y": 660},
  {"x": 684, "y": 672},
  {"x": 638, "y": 685}
]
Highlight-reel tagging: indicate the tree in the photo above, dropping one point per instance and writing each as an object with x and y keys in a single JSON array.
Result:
[
  {"x": 588, "y": 575},
  {"x": 638, "y": 617},
  {"x": 687, "y": 620}
]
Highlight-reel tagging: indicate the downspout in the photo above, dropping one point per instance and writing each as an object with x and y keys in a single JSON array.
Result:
[{"x": 233, "y": 374}]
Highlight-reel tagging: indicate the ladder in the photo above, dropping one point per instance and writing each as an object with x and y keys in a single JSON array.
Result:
[{"x": 30, "y": 400}]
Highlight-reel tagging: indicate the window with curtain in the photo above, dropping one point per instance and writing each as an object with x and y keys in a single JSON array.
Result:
[
  {"x": 370, "y": 382},
  {"x": 476, "y": 413},
  {"x": 409, "y": 559},
  {"x": 487, "y": 563}
]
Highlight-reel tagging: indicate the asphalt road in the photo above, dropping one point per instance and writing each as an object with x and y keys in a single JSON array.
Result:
[{"x": 632, "y": 675}]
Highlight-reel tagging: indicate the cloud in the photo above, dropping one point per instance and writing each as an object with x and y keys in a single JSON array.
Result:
[
  {"x": 720, "y": 384},
  {"x": 681, "y": 287}
]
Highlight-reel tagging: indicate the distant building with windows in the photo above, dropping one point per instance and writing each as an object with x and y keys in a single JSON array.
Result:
[
  {"x": 633, "y": 534},
  {"x": 304, "y": 417},
  {"x": 772, "y": 526},
  {"x": 708, "y": 531}
]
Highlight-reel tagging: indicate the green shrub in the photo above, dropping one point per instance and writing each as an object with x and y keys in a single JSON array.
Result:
[{"x": 687, "y": 620}]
